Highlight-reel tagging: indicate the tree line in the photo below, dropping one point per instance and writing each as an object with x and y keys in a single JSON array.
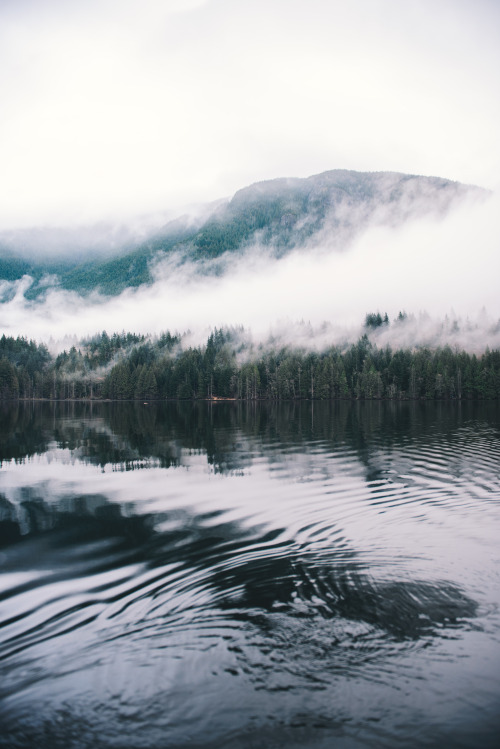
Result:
[{"x": 136, "y": 367}]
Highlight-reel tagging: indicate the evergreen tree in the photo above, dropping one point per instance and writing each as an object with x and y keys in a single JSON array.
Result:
[{"x": 9, "y": 384}]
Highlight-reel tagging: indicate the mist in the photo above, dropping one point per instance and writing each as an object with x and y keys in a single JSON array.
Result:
[{"x": 442, "y": 271}]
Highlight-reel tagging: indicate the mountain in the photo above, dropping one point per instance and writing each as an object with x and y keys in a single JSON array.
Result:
[{"x": 327, "y": 210}]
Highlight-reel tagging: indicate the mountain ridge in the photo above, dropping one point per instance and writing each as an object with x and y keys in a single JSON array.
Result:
[{"x": 328, "y": 209}]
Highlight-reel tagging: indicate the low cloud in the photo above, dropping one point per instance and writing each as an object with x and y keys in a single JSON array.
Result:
[{"x": 442, "y": 271}]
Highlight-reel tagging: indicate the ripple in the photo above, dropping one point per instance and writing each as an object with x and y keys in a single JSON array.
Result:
[{"x": 305, "y": 588}]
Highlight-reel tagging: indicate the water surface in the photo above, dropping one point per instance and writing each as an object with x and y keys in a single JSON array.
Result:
[{"x": 248, "y": 575}]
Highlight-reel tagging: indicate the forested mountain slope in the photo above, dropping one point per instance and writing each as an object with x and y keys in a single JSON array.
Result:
[{"x": 326, "y": 210}]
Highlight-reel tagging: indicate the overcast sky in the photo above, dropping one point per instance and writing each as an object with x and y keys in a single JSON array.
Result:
[{"x": 117, "y": 107}]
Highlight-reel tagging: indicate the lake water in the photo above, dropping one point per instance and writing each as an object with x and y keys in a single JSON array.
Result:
[{"x": 250, "y": 575}]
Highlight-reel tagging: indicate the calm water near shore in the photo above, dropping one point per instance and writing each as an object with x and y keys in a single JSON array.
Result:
[{"x": 226, "y": 575}]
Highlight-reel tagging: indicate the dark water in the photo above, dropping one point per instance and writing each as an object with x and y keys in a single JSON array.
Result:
[{"x": 226, "y": 575}]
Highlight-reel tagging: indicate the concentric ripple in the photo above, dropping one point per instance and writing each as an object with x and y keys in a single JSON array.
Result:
[{"x": 276, "y": 576}]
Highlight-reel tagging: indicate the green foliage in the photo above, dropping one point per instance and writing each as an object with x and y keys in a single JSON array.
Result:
[
  {"x": 279, "y": 214},
  {"x": 101, "y": 349},
  {"x": 13, "y": 268},
  {"x": 24, "y": 354},
  {"x": 125, "y": 366},
  {"x": 375, "y": 320},
  {"x": 9, "y": 384},
  {"x": 111, "y": 276}
]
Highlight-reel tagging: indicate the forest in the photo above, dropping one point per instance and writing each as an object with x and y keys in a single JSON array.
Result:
[
  {"x": 126, "y": 366},
  {"x": 277, "y": 215}
]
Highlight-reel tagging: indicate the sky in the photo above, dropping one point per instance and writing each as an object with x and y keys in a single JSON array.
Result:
[{"x": 110, "y": 108}]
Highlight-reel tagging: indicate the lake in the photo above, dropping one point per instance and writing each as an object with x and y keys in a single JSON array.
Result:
[{"x": 226, "y": 575}]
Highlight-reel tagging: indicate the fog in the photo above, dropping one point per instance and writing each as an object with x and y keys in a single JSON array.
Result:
[
  {"x": 113, "y": 109},
  {"x": 443, "y": 272},
  {"x": 102, "y": 239},
  {"x": 95, "y": 240}
]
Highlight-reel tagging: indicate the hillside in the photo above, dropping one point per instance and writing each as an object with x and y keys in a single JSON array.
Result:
[{"x": 326, "y": 210}]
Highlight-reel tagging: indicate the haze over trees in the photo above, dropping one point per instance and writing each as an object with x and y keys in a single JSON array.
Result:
[
  {"x": 126, "y": 366},
  {"x": 327, "y": 210}
]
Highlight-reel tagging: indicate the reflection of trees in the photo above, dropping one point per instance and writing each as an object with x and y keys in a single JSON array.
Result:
[
  {"x": 9, "y": 525},
  {"x": 231, "y": 434},
  {"x": 228, "y": 433},
  {"x": 279, "y": 612},
  {"x": 254, "y": 576},
  {"x": 21, "y": 431},
  {"x": 304, "y": 590},
  {"x": 76, "y": 518}
]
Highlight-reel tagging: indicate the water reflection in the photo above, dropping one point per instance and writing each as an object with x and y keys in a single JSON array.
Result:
[
  {"x": 243, "y": 575},
  {"x": 123, "y": 433}
]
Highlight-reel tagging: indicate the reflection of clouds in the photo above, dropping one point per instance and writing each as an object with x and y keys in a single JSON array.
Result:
[
  {"x": 349, "y": 472},
  {"x": 302, "y": 573},
  {"x": 266, "y": 543}
]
